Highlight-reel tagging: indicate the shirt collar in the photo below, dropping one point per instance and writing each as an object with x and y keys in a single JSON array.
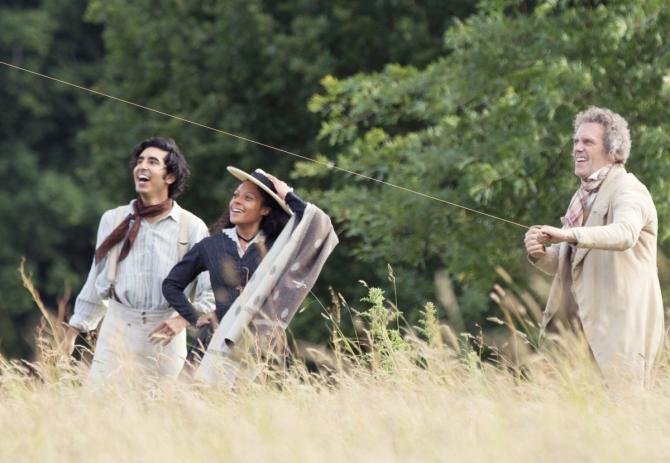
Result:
[
  {"x": 176, "y": 211},
  {"x": 232, "y": 234},
  {"x": 594, "y": 176}
]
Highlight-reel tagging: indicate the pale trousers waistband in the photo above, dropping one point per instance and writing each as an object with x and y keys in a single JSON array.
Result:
[
  {"x": 131, "y": 314},
  {"x": 123, "y": 350}
]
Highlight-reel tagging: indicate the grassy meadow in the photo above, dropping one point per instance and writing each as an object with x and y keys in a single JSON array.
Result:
[{"x": 386, "y": 394}]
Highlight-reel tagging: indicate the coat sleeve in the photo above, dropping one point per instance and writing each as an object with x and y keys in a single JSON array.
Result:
[
  {"x": 548, "y": 263},
  {"x": 179, "y": 278},
  {"x": 632, "y": 208}
]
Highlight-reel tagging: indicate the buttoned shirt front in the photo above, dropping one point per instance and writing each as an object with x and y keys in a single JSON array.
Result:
[{"x": 140, "y": 275}]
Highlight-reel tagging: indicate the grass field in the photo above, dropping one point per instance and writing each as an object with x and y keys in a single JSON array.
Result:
[
  {"x": 448, "y": 412},
  {"x": 392, "y": 396}
]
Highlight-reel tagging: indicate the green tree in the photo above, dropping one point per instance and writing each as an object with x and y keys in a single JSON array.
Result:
[
  {"x": 247, "y": 67},
  {"x": 489, "y": 125},
  {"x": 46, "y": 214}
]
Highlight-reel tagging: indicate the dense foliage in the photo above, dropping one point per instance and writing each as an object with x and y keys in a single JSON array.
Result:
[
  {"x": 48, "y": 215},
  {"x": 489, "y": 125},
  {"x": 245, "y": 66},
  {"x": 470, "y": 105}
]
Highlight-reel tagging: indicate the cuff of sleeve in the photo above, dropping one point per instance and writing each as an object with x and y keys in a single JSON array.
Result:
[
  {"x": 538, "y": 261},
  {"x": 577, "y": 234},
  {"x": 78, "y": 323},
  {"x": 189, "y": 313},
  {"x": 292, "y": 197},
  {"x": 192, "y": 318}
]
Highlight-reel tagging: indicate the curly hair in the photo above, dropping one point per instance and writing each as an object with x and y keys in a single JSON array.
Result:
[
  {"x": 174, "y": 162},
  {"x": 272, "y": 224},
  {"x": 616, "y": 136}
]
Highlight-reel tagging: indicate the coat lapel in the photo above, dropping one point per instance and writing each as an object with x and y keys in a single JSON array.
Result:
[{"x": 600, "y": 207}]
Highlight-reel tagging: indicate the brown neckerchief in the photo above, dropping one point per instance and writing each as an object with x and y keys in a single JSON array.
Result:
[{"x": 122, "y": 231}]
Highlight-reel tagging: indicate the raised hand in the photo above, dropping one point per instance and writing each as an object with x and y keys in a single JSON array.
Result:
[{"x": 281, "y": 186}]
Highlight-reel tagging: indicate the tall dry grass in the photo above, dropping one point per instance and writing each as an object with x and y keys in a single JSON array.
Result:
[{"x": 387, "y": 394}]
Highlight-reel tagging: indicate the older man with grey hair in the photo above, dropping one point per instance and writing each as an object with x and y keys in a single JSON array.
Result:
[{"x": 603, "y": 259}]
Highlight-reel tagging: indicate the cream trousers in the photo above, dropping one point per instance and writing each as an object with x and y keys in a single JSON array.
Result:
[{"x": 123, "y": 350}]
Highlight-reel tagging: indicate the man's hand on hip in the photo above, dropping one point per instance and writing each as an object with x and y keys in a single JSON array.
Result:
[{"x": 168, "y": 329}]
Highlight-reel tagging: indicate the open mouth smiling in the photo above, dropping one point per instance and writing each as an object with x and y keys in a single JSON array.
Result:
[{"x": 143, "y": 178}]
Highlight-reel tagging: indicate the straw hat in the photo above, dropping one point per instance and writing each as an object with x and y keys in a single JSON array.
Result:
[{"x": 260, "y": 178}]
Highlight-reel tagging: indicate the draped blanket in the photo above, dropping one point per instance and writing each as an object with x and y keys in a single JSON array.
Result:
[{"x": 272, "y": 296}]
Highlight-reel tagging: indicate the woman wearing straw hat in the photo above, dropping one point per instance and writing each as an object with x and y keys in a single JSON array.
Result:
[{"x": 260, "y": 209}]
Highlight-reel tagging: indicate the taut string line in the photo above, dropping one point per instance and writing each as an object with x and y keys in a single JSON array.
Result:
[{"x": 328, "y": 165}]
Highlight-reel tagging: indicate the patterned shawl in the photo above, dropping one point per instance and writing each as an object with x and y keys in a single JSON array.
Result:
[{"x": 272, "y": 297}]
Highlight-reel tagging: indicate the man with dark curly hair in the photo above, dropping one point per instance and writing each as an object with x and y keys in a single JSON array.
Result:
[
  {"x": 603, "y": 259},
  {"x": 137, "y": 245}
]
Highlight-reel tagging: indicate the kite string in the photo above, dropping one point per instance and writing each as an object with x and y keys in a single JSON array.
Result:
[{"x": 329, "y": 165}]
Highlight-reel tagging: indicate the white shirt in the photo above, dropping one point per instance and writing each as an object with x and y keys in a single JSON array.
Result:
[
  {"x": 140, "y": 275},
  {"x": 232, "y": 234}
]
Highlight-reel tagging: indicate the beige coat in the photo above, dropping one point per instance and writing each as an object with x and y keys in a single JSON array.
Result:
[{"x": 613, "y": 278}]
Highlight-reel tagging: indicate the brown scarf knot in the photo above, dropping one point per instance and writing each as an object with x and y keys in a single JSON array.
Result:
[{"x": 128, "y": 231}]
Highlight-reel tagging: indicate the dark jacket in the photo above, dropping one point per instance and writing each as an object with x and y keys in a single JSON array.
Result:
[{"x": 228, "y": 272}]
